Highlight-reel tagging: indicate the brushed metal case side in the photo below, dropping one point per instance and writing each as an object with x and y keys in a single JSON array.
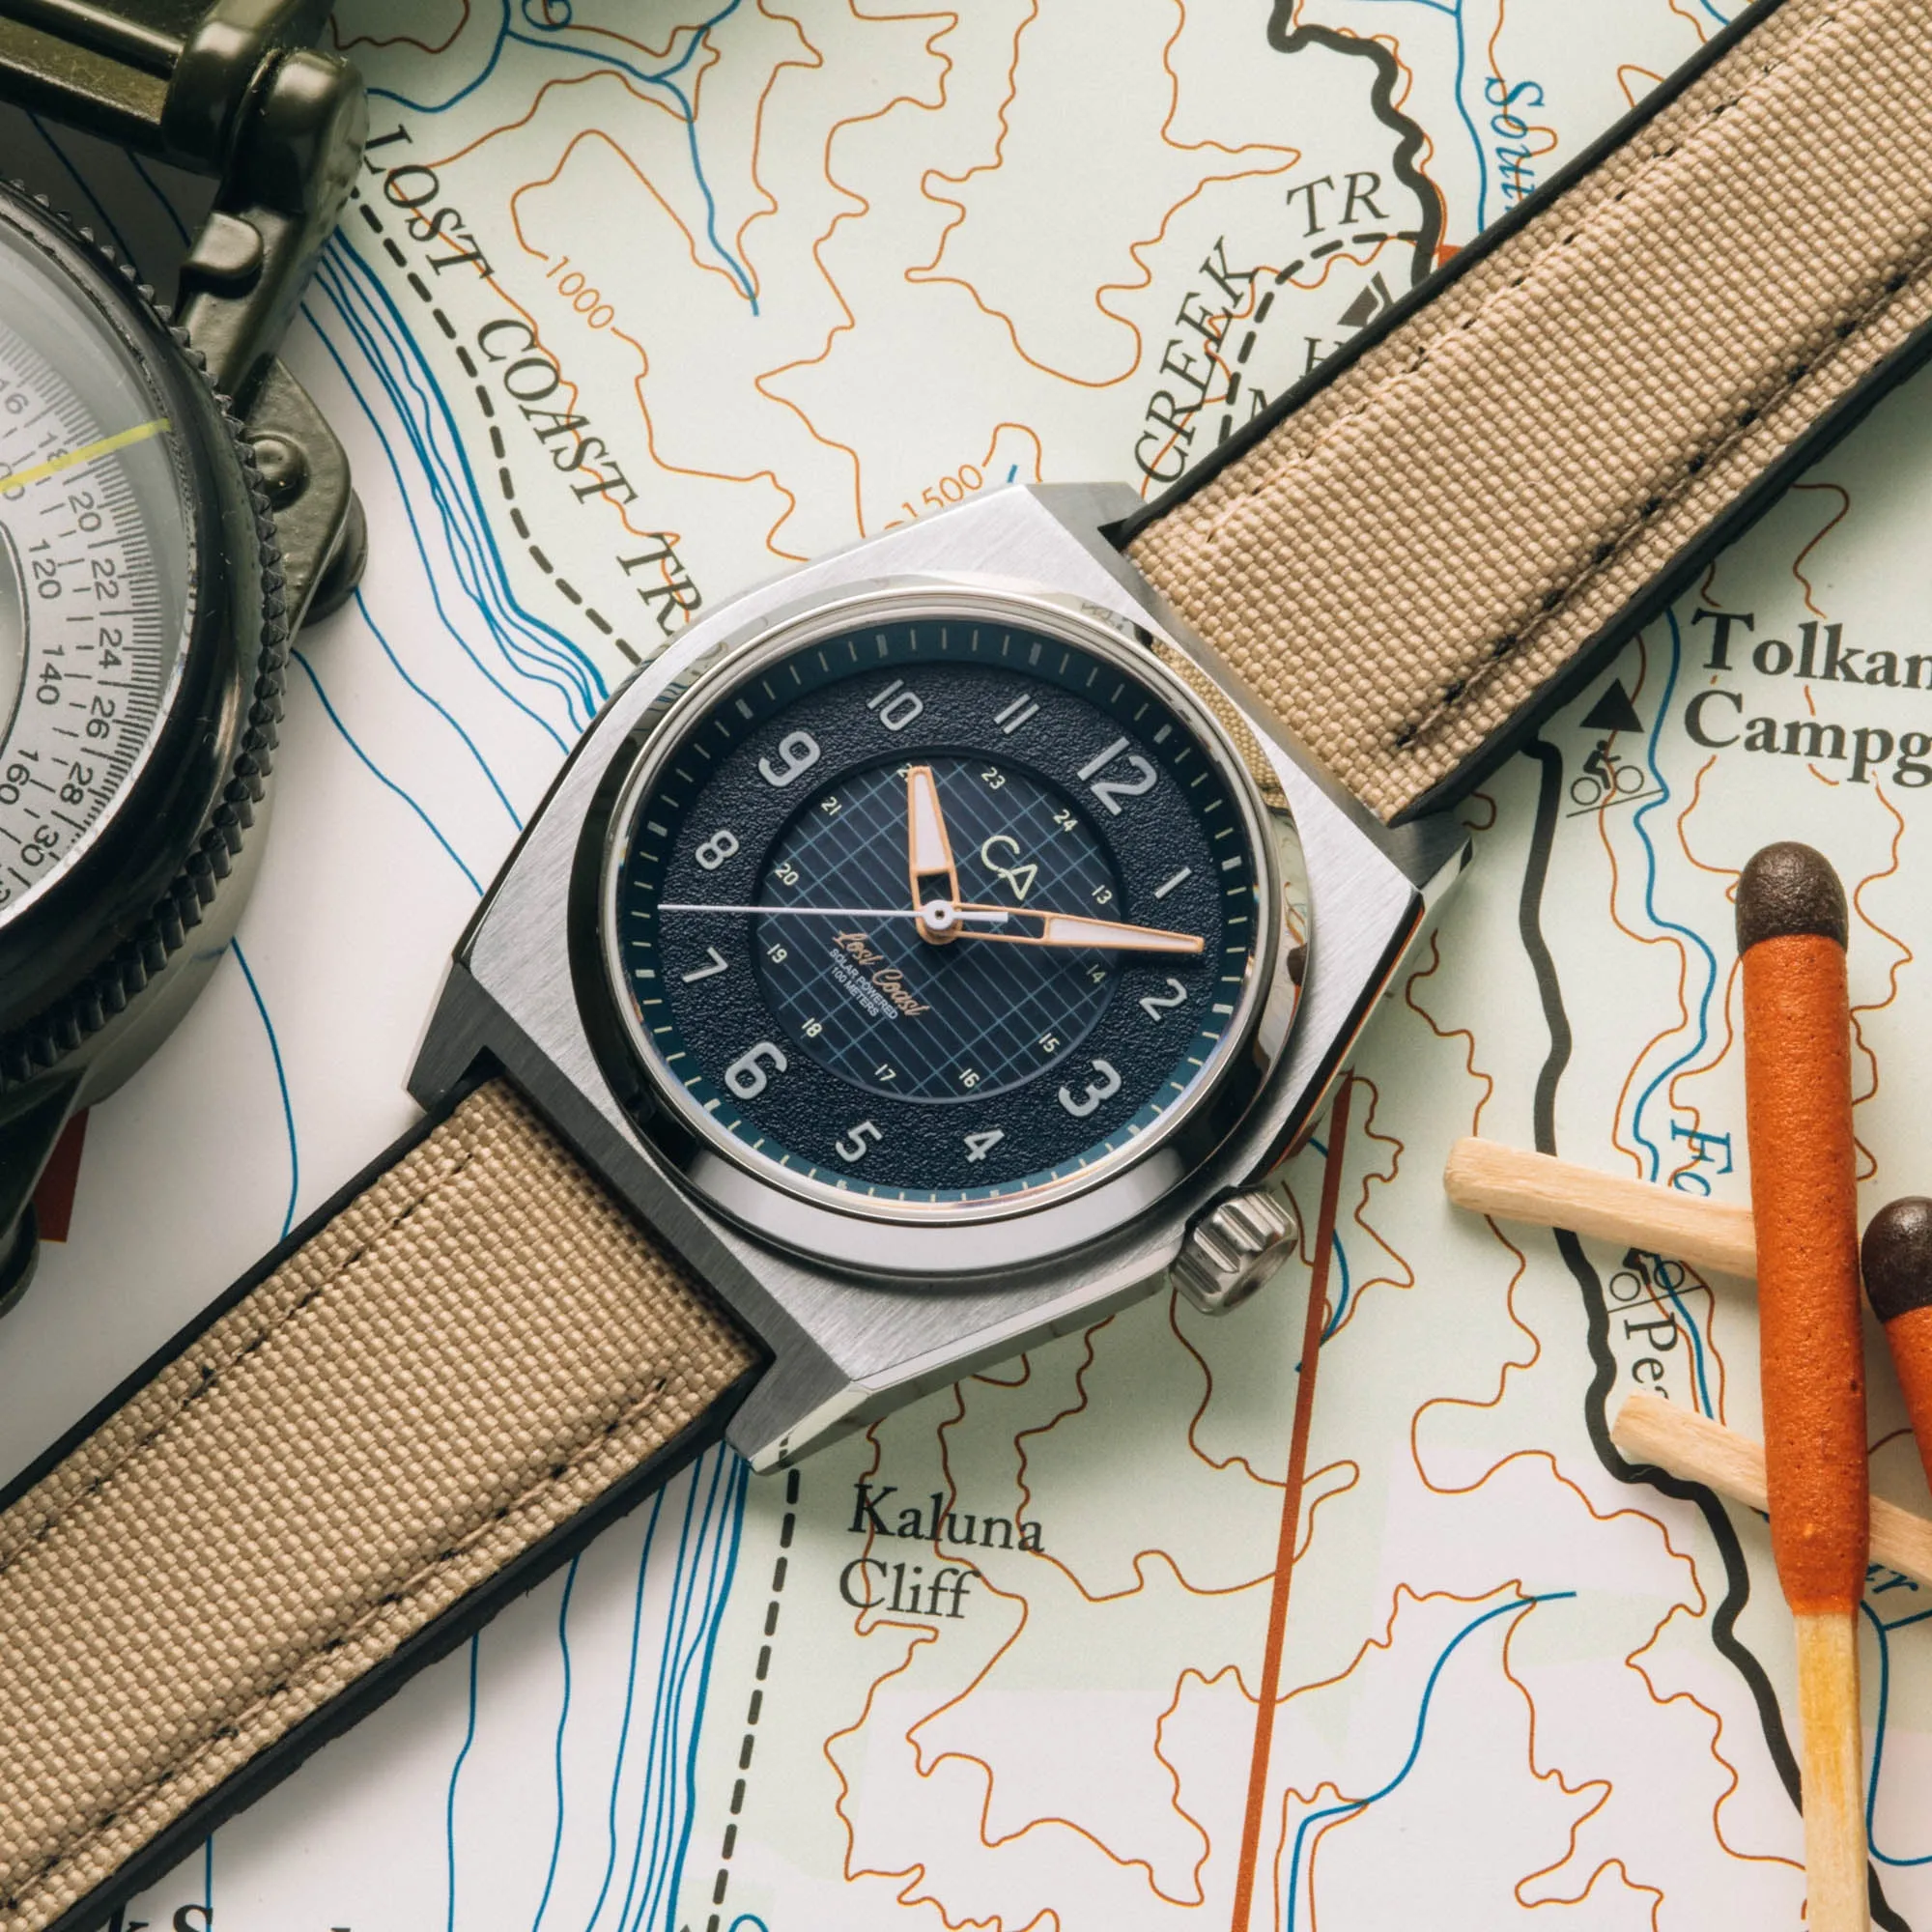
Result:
[{"x": 843, "y": 1350}]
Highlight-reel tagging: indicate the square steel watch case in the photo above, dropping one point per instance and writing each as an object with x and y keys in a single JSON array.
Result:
[{"x": 529, "y": 992}]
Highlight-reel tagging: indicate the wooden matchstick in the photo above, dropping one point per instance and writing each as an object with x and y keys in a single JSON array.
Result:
[
  {"x": 1512, "y": 1185},
  {"x": 1797, "y": 1110},
  {"x": 1648, "y": 1428},
  {"x": 1897, "y": 1258}
]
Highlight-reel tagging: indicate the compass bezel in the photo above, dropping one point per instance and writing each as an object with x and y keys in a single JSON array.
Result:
[{"x": 108, "y": 890}]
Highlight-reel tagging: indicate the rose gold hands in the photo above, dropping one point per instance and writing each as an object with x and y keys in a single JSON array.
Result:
[
  {"x": 930, "y": 854},
  {"x": 1063, "y": 928},
  {"x": 944, "y": 916}
]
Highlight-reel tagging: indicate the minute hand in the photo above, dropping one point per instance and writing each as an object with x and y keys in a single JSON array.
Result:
[{"x": 1075, "y": 929}]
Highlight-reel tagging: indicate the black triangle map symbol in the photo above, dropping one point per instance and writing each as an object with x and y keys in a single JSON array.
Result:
[{"x": 1614, "y": 711}]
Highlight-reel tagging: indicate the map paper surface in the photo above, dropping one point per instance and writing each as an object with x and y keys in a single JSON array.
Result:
[{"x": 638, "y": 307}]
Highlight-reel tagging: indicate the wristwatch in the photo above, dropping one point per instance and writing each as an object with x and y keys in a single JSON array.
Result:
[
  {"x": 172, "y": 507},
  {"x": 942, "y": 945}
]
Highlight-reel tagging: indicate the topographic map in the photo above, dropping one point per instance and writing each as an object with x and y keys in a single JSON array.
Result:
[{"x": 637, "y": 306}]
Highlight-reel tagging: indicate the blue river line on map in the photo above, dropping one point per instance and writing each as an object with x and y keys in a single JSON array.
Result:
[
  {"x": 1881, "y": 1631},
  {"x": 345, "y": 291},
  {"x": 437, "y": 705},
  {"x": 381, "y": 777},
  {"x": 1355, "y": 1807},
  {"x": 282, "y": 1083},
  {"x": 642, "y": 1807}
]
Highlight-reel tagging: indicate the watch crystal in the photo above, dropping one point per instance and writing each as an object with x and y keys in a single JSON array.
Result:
[{"x": 936, "y": 911}]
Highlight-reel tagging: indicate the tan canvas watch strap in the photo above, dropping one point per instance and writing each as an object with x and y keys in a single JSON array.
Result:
[
  {"x": 434, "y": 1391},
  {"x": 1433, "y": 541}
]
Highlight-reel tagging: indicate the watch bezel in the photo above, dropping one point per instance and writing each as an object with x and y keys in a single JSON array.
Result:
[{"x": 879, "y": 1236}]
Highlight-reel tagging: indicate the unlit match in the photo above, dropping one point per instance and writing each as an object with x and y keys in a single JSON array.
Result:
[
  {"x": 1510, "y": 1185},
  {"x": 1678, "y": 1440}
]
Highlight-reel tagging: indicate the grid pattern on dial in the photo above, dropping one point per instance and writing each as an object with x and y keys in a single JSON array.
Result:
[{"x": 991, "y": 1006}]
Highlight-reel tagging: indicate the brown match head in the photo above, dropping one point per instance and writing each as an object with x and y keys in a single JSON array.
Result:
[
  {"x": 1897, "y": 1257},
  {"x": 1788, "y": 888}
]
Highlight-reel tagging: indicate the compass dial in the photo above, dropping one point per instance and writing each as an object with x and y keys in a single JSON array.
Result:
[
  {"x": 95, "y": 558},
  {"x": 936, "y": 912}
]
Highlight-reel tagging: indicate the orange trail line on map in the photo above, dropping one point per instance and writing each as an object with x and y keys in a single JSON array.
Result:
[
  {"x": 914, "y": 1873},
  {"x": 1384, "y": 1643},
  {"x": 571, "y": 390},
  {"x": 861, "y": 207},
  {"x": 1632, "y": 94},
  {"x": 344, "y": 42},
  {"x": 926, "y": 1769},
  {"x": 1201, "y": 1408},
  {"x": 1603, "y": 1786},
  {"x": 928, "y": 273},
  {"x": 1683, "y": 13},
  {"x": 1548, "y": 145},
  {"x": 1843, "y": 510},
  {"x": 1464, "y": 1034},
  {"x": 1268, "y": 1689},
  {"x": 1696, "y": 1605},
  {"x": 1867, "y": 1161}
]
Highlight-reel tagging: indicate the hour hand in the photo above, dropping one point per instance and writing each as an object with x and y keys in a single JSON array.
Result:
[
  {"x": 928, "y": 850},
  {"x": 1076, "y": 929}
]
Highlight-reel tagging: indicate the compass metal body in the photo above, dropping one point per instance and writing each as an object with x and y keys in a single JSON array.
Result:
[{"x": 152, "y": 565}]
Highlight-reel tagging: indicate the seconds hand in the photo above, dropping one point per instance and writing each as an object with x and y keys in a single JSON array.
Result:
[{"x": 989, "y": 916}]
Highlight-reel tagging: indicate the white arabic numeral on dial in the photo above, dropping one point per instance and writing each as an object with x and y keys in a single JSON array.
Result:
[
  {"x": 1155, "y": 1004},
  {"x": 1105, "y": 1084},
  {"x": 1111, "y": 791},
  {"x": 854, "y": 1144},
  {"x": 745, "y": 1076},
  {"x": 798, "y": 752},
  {"x": 978, "y": 1146},
  {"x": 716, "y": 849},
  {"x": 896, "y": 705},
  {"x": 718, "y": 964}
]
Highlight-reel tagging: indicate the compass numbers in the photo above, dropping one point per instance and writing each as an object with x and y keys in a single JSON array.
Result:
[
  {"x": 787, "y": 996},
  {"x": 95, "y": 548}
]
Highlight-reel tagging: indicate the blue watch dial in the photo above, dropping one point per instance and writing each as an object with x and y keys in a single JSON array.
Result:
[{"x": 934, "y": 912}]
